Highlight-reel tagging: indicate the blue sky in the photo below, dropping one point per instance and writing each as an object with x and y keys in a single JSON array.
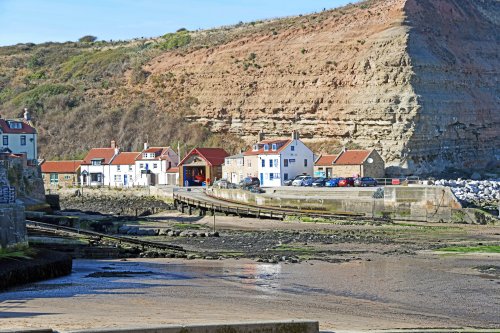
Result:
[{"x": 40, "y": 21}]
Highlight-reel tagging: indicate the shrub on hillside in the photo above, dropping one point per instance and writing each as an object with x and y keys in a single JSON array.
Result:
[
  {"x": 175, "y": 40},
  {"x": 87, "y": 39}
]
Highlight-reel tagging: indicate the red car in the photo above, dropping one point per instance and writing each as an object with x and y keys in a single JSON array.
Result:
[{"x": 346, "y": 182}]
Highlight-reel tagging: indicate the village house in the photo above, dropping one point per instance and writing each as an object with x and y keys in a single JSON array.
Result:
[
  {"x": 152, "y": 165},
  {"x": 351, "y": 163},
  {"x": 232, "y": 170},
  {"x": 281, "y": 159},
  {"x": 95, "y": 168},
  {"x": 123, "y": 169},
  {"x": 173, "y": 176},
  {"x": 19, "y": 137},
  {"x": 201, "y": 165},
  {"x": 61, "y": 173}
]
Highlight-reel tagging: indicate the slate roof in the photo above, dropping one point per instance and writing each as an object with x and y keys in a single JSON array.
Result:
[{"x": 282, "y": 144}]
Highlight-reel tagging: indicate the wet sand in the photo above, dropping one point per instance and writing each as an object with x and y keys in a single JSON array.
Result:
[{"x": 423, "y": 291}]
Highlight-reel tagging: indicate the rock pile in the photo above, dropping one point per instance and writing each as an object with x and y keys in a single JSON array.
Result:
[
  {"x": 477, "y": 192},
  {"x": 138, "y": 231}
]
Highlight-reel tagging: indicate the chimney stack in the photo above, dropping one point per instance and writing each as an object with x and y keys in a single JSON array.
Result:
[
  {"x": 261, "y": 136},
  {"x": 113, "y": 144},
  {"x": 344, "y": 149},
  {"x": 27, "y": 116},
  {"x": 295, "y": 135},
  {"x": 146, "y": 145}
]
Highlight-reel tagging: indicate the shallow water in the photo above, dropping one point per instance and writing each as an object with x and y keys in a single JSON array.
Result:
[{"x": 388, "y": 292}]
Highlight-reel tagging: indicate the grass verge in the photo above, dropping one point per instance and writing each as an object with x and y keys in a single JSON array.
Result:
[{"x": 472, "y": 249}]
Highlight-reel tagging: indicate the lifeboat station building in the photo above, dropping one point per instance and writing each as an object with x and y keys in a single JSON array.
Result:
[{"x": 201, "y": 166}]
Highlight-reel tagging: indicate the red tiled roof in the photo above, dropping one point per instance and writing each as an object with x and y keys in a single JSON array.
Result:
[
  {"x": 213, "y": 156},
  {"x": 25, "y": 128},
  {"x": 281, "y": 143},
  {"x": 352, "y": 157},
  {"x": 173, "y": 170},
  {"x": 325, "y": 160},
  {"x": 125, "y": 158},
  {"x": 60, "y": 166},
  {"x": 104, "y": 153}
]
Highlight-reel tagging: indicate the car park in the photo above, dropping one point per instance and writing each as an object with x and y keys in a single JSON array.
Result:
[
  {"x": 365, "y": 181},
  {"x": 346, "y": 182}
]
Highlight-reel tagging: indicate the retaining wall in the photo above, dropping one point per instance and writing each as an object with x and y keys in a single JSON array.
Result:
[
  {"x": 412, "y": 203},
  {"x": 256, "y": 327},
  {"x": 12, "y": 225}
]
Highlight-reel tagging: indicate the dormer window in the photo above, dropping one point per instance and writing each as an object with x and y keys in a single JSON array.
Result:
[
  {"x": 266, "y": 147},
  {"x": 255, "y": 147},
  {"x": 97, "y": 161},
  {"x": 15, "y": 125},
  {"x": 274, "y": 147}
]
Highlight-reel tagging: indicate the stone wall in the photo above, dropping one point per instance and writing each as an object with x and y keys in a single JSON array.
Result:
[{"x": 12, "y": 225}]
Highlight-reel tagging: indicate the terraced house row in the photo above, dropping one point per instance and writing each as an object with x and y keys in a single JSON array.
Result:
[{"x": 272, "y": 161}]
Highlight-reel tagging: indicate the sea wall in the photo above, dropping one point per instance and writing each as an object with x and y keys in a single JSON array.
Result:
[{"x": 413, "y": 203}]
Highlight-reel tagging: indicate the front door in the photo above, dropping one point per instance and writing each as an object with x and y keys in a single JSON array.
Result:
[
  {"x": 125, "y": 180},
  {"x": 234, "y": 179},
  {"x": 261, "y": 179}
]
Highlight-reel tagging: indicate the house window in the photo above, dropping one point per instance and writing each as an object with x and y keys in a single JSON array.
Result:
[
  {"x": 15, "y": 125},
  {"x": 118, "y": 168},
  {"x": 23, "y": 140},
  {"x": 263, "y": 163},
  {"x": 276, "y": 162},
  {"x": 169, "y": 165},
  {"x": 285, "y": 163},
  {"x": 285, "y": 176},
  {"x": 249, "y": 163},
  {"x": 266, "y": 147},
  {"x": 271, "y": 176},
  {"x": 305, "y": 162},
  {"x": 255, "y": 147},
  {"x": 118, "y": 178},
  {"x": 274, "y": 146},
  {"x": 227, "y": 162},
  {"x": 5, "y": 139},
  {"x": 141, "y": 166},
  {"x": 67, "y": 177},
  {"x": 277, "y": 175},
  {"x": 240, "y": 162},
  {"x": 292, "y": 148},
  {"x": 96, "y": 177},
  {"x": 54, "y": 178},
  {"x": 271, "y": 163},
  {"x": 155, "y": 165},
  {"x": 129, "y": 168},
  {"x": 96, "y": 162}
]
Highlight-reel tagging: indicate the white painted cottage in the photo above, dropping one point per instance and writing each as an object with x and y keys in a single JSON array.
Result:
[
  {"x": 281, "y": 159},
  {"x": 152, "y": 163}
]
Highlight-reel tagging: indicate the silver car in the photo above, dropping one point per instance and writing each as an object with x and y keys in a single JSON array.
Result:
[{"x": 302, "y": 180}]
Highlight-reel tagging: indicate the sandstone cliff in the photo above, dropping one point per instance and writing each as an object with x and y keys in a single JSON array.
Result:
[{"x": 416, "y": 79}]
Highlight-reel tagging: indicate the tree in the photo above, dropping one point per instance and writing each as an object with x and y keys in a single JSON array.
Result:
[{"x": 87, "y": 39}]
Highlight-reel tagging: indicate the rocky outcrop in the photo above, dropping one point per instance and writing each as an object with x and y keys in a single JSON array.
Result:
[{"x": 414, "y": 79}]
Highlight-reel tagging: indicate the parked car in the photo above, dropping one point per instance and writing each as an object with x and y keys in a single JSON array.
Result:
[
  {"x": 221, "y": 183},
  {"x": 319, "y": 182},
  {"x": 365, "y": 181},
  {"x": 308, "y": 181},
  {"x": 289, "y": 182},
  {"x": 332, "y": 182},
  {"x": 346, "y": 182},
  {"x": 299, "y": 181},
  {"x": 250, "y": 182}
]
